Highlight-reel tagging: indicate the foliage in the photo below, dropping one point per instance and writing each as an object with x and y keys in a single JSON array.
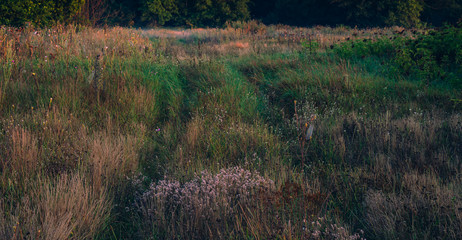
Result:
[
  {"x": 16, "y": 13},
  {"x": 403, "y": 12},
  {"x": 435, "y": 56},
  {"x": 41, "y": 13},
  {"x": 406, "y": 13},
  {"x": 385, "y": 47},
  {"x": 65, "y": 11},
  {"x": 159, "y": 11},
  {"x": 200, "y": 13},
  {"x": 217, "y": 13},
  {"x": 439, "y": 12}
]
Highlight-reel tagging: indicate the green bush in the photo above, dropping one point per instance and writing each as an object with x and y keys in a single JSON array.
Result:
[
  {"x": 436, "y": 56},
  {"x": 433, "y": 57},
  {"x": 366, "y": 47}
]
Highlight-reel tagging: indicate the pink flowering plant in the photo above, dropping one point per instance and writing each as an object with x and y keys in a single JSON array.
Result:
[{"x": 205, "y": 205}]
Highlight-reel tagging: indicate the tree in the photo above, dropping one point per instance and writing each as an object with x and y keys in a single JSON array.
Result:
[
  {"x": 364, "y": 12},
  {"x": 438, "y": 12},
  {"x": 405, "y": 13},
  {"x": 93, "y": 12},
  {"x": 18, "y": 12},
  {"x": 218, "y": 12},
  {"x": 306, "y": 13},
  {"x": 386, "y": 12},
  {"x": 125, "y": 12},
  {"x": 38, "y": 12},
  {"x": 66, "y": 10},
  {"x": 159, "y": 11}
]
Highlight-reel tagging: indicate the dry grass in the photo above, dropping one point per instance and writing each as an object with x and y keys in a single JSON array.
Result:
[
  {"x": 23, "y": 155},
  {"x": 241, "y": 39},
  {"x": 20, "y": 222},
  {"x": 60, "y": 42},
  {"x": 409, "y": 142},
  {"x": 426, "y": 209},
  {"x": 73, "y": 209},
  {"x": 237, "y": 48},
  {"x": 68, "y": 208},
  {"x": 64, "y": 140},
  {"x": 7, "y": 61},
  {"x": 112, "y": 159}
]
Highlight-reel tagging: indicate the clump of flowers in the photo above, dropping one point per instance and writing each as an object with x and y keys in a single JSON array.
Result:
[
  {"x": 203, "y": 205},
  {"x": 322, "y": 228}
]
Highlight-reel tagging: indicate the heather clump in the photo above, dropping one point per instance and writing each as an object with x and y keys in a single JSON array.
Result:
[
  {"x": 202, "y": 207},
  {"x": 322, "y": 228}
]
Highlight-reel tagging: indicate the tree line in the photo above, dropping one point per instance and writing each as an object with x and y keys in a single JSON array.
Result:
[{"x": 215, "y": 13}]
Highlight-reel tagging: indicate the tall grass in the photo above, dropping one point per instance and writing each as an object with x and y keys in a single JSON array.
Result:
[
  {"x": 67, "y": 208},
  {"x": 195, "y": 135},
  {"x": 8, "y": 62}
]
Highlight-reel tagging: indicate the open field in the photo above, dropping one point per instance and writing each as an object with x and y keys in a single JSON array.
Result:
[{"x": 247, "y": 132}]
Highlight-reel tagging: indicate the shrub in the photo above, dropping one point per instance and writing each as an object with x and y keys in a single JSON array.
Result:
[
  {"x": 384, "y": 47},
  {"x": 433, "y": 57}
]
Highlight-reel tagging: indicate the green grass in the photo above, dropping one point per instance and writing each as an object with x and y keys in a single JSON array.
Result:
[{"x": 173, "y": 108}]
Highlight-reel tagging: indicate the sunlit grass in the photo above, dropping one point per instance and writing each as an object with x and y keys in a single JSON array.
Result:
[{"x": 339, "y": 139}]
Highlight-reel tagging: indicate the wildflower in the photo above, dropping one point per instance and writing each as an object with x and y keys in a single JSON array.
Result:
[
  {"x": 33, "y": 74},
  {"x": 157, "y": 129}
]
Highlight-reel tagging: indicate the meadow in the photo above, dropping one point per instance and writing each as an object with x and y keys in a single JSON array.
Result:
[{"x": 245, "y": 132}]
